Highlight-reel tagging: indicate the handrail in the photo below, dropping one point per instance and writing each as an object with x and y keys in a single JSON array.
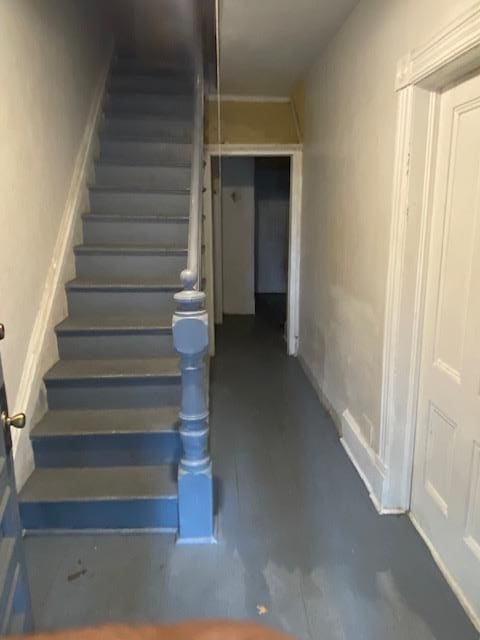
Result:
[{"x": 191, "y": 276}]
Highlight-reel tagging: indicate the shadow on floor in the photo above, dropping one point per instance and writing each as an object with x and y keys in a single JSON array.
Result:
[{"x": 300, "y": 545}]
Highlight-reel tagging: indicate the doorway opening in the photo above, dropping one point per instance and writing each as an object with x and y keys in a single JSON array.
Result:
[
  {"x": 255, "y": 215},
  {"x": 272, "y": 210}
]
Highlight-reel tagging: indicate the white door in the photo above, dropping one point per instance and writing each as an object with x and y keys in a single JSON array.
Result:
[{"x": 446, "y": 478}]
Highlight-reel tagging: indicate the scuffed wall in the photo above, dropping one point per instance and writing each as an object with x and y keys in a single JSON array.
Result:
[
  {"x": 251, "y": 123},
  {"x": 52, "y": 53},
  {"x": 350, "y": 121}
]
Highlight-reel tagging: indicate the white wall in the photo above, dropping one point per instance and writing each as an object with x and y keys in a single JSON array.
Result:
[
  {"x": 52, "y": 53},
  {"x": 350, "y": 117},
  {"x": 238, "y": 235}
]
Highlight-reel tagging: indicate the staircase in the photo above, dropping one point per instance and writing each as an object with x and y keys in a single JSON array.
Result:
[{"x": 107, "y": 451}]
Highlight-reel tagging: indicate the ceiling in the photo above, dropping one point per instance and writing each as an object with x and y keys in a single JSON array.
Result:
[{"x": 267, "y": 45}]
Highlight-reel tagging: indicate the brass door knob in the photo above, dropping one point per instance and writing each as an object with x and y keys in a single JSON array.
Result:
[
  {"x": 2, "y": 332},
  {"x": 18, "y": 420}
]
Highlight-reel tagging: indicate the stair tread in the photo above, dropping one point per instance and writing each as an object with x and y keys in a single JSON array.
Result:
[
  {"x": 148, "y": 91},
  {"x": 132, "y": 249},
  {"x": 117, "y": 368},
  {"x": 100, "y": 483},
  {"x": 166, "y": 117},
  {"x": 150, "y": 70},
  {"x": 129, "y": 137},
  {"x": 133, "y": 189},
  {"x": 125, "y": 60},
  {"x": 124, "y": 283},
  {"x": 85, "y": 422},
  {"x": 118, "y": 162},
  {"x": 114, "y": 323},
  {"x": 118, "y": 217},
  {"x": 141, "y": 110}
]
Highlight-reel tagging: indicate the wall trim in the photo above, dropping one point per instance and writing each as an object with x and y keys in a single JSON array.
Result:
[
  {"x": 213, "y": 97},
  {"x": 52, "y": 300},
  {"x": 307, "y": 370},
  {"x": 458, "y": 43},
  {"x": 452, "y": 583},
  {"x": 364, "y": 459}
]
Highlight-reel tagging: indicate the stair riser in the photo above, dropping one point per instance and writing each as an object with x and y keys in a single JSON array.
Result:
[
  {"x": 124, "y": 63},
  {"x": 142, "y": 266},
  {"x": 87, "y": 302},
  {"x": 136, "y": 151},
  {"x": 154, "y": 177},
  {"x": 107, "y": 450},
  {"x": 170, "y": 234},
  {"x": 154, "y": 83},
  {"x": 107, "y": 394},
  {"x": 169, "y": 129},
  {"x": 158, "y": 513},
  {"x": 97, "y": 346},
  {"x": 149, "y": 104},
  {"x": 127, "y": 203}
]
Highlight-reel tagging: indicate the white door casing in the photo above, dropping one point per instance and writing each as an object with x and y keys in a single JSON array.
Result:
[
  {"x": 294, "y": 152},
  {"x": 445, "y": 501},
  {"x": 422, "y": 74}
]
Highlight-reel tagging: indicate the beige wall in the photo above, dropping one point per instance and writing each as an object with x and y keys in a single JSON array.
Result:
[
  {"x": 350, "y": 117},
  {"x": 51, "y": 55},
  {"x": 252, "y": 123}
]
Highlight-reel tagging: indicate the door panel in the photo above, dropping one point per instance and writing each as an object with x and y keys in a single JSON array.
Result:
[
  {"x": 15, "y": 609},
  {"x": 446, "y": 477}
]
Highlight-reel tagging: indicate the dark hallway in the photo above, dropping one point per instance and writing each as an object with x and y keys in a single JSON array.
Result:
[{"x": 300, "y": 545}]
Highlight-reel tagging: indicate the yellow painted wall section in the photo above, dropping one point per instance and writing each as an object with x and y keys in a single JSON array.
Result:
[
  {"x": 349, "y": 144},
  {"x": 251, "y": 123},
  {"x": 298, "y": 105}
]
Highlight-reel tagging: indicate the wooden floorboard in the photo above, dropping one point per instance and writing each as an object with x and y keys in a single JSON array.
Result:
[{"x": 300, "y": 546}]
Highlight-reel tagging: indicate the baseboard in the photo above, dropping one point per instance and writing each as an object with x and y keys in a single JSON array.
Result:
[
  {"x": 307, "y": 370},
  {"x": 452, "y": 583},
  {"x": 363, "y": 457},
  {"x": 365, "y": 460},
  {"x": 41, "y": 352}
]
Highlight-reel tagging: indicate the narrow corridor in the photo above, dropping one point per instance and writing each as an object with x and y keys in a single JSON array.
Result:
[{"x": 300, "y": 545}]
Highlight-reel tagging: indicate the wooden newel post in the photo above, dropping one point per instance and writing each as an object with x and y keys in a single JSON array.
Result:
[{"x": 195, "y": 483}]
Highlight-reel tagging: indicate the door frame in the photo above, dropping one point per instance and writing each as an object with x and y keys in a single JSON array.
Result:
[
  {"x": 295, "y": 153},
  {"x": 421, "y": 75}
]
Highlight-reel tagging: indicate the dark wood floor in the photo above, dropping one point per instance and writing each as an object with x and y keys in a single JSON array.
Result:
[{"x": 300, "y": 545}]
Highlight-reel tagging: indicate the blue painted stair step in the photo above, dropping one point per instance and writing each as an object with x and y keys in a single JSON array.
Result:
[{"x": 107, "y": 449}]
